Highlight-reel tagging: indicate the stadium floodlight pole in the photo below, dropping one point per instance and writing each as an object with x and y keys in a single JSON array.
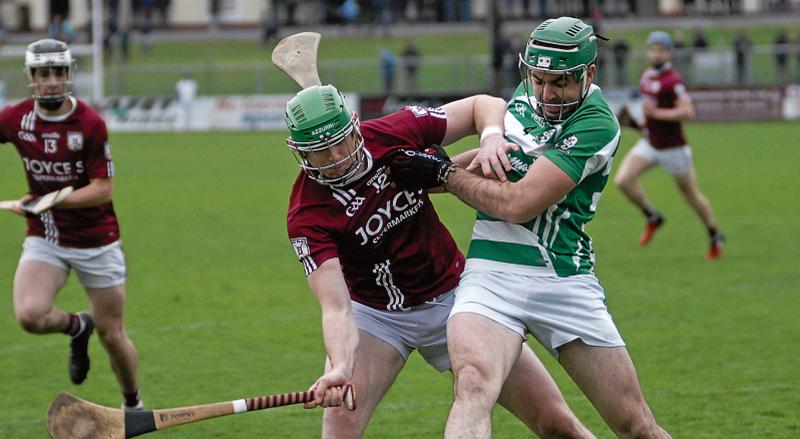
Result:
[
  {"x": 97, "y": 51},
  {"x": 73, "y": 418}
]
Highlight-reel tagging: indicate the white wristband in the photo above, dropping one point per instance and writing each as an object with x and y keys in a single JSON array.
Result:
[{"x": 488, "y": 131}]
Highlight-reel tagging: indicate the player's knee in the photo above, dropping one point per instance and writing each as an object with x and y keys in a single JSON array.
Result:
[
  {"x": 341, "y": 423},
  {"x": 558, "y": 431},
  {"x": 472, "y": 383},
  {"x": 622, "y": 181},
  {"x": 30, "y": 320},
  {"x": 112, "y": 338},
  {"x": 557, "y": 424},
  {"x": 638, "y": 426}
]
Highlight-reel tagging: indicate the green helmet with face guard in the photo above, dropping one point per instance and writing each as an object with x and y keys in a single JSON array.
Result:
[
  {"x": 318, "y": 119},
  {"x": 565, "y": 46},
  {"x": 54, "y": 58}
]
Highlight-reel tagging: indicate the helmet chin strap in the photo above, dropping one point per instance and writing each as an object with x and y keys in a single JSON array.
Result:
[{"x": 51, "y": 103}]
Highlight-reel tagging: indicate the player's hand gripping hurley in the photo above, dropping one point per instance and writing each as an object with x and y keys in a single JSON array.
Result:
[
  {"x": 38, "y": 205},
  {"x": 296, "y": 55},
  {"x": 73, "y": 418}
]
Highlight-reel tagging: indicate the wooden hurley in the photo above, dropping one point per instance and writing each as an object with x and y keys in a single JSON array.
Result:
[
  {"x": 70, "y": 417},
  {"x": 296, "y": 55}
]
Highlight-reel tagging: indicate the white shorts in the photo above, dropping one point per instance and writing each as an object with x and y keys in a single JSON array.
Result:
[
  {"x": 98, "y": 267},
  {"x": 555, "y": 310},
  {"x": 423, "y": 327},
  {"x": 677, "y": 161}
]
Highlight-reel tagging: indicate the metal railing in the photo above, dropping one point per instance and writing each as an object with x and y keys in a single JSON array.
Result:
[{"x": 441, "y": 74}]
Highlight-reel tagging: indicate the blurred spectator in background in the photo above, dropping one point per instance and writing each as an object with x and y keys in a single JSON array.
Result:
[
  {"x": 411, "y": 62},
  {"x": 699, "y": 41},
  {"x": 213, "y": 13},
  {"x": 3, "y": 33},
  {"x": 601, "y": 77},
  {"x": 797, "y": 52},
  {"x": 146, "y": 24},
  {"x": 457, "y": 10},
  {"x": 387, "y": 66},
  {"x": 349, "y": 11},
  {"x": 61, "y": 29},
  {"x": 516, "y": 46},
  {"x": 781, "y": 49},
  {"x": 186, "y": 91},
  {"x": 291, "y": 9},
  {"x": 500, "y": 50},
  {"x": 621, "y": 50},
  {"x": 382, "y": 15},
  {"x": 162, "y": 7},
  {"x": 269, "y": 26},
  {"x": 526, "y": 9},
  {"x": 742, "y": 49}
]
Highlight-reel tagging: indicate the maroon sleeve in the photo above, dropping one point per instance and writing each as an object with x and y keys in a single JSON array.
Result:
[
  {"x": 413, "y": 125},
  {"x": 312, "y": 243},
  {"x": 6, "y": 122},
  {"x": 98, "y": 153},
  {"x": 431, "y": 122}
]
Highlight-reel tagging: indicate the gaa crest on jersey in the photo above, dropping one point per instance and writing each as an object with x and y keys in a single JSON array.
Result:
[
  {"x": 74, "y": 141},
  {"x": 567, "y": 143},
  {"x": 300, "y": 246}
]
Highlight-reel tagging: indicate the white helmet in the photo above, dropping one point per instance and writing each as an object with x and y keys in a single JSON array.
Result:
[{"x": 57, "y": 58}]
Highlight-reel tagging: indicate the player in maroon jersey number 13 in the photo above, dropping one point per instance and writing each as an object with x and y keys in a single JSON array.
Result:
[
  {"x": 63, "y": 142},
  {"x": 666, "y": 104},
  {"x": 379, "y": 261}
]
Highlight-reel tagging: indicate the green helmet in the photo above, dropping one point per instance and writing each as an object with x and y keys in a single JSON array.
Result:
[
  {"x": 318, "y": 118},
  {"x": 563, "y": 45}
]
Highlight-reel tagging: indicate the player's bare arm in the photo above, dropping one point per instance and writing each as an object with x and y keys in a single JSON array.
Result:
[
  {"x": 96, "y": 193},
  {"x": 340, "y": 334},
  {"x": 544, "y": 185},
  {"x": 481, "y": 114},
  {"x": 683, "y": 110},
  {"x": 465, "y": 158},
  {"x": 472, "y": 115}
]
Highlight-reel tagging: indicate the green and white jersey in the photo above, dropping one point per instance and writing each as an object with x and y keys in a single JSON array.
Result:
[{"x": 555, "y": 242}]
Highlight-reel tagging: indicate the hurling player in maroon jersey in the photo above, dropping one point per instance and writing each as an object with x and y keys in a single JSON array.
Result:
[
  {"x": 379, "y": 261},
  {"x": 666, "y": 104},
  {"x": 63, "y": 142}
]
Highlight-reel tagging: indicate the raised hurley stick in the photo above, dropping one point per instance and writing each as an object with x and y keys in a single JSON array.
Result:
[
  {"x": 296, "y": 55},
  {"x": 73, "y": 418}
]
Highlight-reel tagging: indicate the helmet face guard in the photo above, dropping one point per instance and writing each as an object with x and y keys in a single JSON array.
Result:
[
  {"x": 44, "y": 60},
  {"x": 349, "y": 140},
  {"x": 540, "y": 105},
  {"x": 562, "y": 47}
]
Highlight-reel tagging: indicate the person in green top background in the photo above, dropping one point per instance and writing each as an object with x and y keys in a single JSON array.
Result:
[{"x": 530, "y": 266}]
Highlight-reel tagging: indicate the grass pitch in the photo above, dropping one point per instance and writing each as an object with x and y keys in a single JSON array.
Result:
[{"x": 219, "y": 309}]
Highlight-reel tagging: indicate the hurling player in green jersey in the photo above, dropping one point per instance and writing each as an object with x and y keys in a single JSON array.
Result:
[{"x": 530, "y": 266}]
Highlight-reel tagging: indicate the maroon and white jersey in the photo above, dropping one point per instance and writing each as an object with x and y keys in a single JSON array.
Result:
[
  {"x": 62, "y": 151},
  {"x": 394, "y": 250},
  {"x": 664, "y": 86}
]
